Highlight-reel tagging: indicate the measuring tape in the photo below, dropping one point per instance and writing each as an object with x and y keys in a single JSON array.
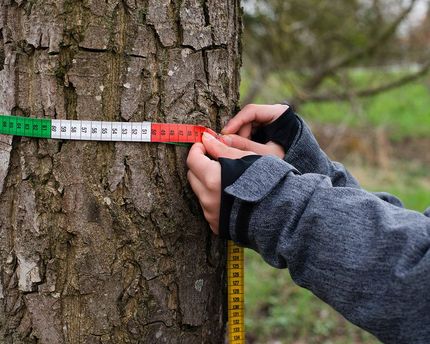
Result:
[
  {"x": 101, "y": 130},
  {"x": 141, "y": 132},
  {"x": 236, "y": 293}
]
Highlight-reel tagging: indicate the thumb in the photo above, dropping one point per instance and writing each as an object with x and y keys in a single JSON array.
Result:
[{"x": 216, "y": 149}]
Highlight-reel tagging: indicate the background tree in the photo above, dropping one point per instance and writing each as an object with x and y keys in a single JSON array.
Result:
[
  {"x": 104, "y": 242},
  {"x": 323, "y": 55},
  {"x": 312, "y": 45}
]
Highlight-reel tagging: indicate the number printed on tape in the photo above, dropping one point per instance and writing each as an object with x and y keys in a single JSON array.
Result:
[{"x": 236, "y": 297}]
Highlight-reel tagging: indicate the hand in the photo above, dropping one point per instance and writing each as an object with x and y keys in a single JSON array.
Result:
[
  {"x": 250, "y": 117},
  {"x": 204, "y": 175}
]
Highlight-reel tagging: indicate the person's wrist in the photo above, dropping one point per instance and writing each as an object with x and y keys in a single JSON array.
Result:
[{"x": 231, "y": 170}]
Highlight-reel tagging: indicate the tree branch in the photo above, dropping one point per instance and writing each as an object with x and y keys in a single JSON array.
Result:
[
  {"x": 344, "y": 61},
  {"x": 369, "y": 91}
]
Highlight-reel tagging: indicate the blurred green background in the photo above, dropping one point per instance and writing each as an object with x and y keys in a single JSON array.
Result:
[{"x": 358, "y": 73}]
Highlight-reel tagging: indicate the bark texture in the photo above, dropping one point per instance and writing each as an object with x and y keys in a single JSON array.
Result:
[{"x": 105, "y": 242}]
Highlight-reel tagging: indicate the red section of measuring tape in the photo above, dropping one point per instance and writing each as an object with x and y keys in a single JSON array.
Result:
[
  {"x": 173, "y": 133},
  {"x": 189, "y": 129},
  {"x": 183, "y": 133},
  {"x": 164, "y": 133},
  {"x": 155, "y": 132},
  {"x": 199, "y": 132}
]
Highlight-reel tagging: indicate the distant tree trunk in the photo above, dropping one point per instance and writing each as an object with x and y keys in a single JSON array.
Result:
[{"x": 105, "y": 242}]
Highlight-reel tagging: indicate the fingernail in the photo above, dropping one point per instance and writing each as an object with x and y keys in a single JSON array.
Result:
[
  {"x": 227, "y": 140},
  {"x": 207, "y": 136}
]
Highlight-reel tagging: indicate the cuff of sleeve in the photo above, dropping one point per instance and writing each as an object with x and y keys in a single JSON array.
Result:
[
  {"x": 257, "y": 182},
  {"x": 283, "y": 131},
  {"x": 250, "y": 188},
  {"x": 231, "y": 170},
  {"x": 305, "y": 145}
]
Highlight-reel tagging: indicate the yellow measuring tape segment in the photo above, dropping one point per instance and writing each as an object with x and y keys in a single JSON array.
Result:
[{"x": 236, "y": 293}]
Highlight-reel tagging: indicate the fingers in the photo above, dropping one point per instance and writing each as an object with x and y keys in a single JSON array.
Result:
[
  {"x": 217, "y": 149},
  {"x": 245, "y": 131},
  {"x": 262, "y": 114},
  {"x": 204, "y": 174},
  {"x": 195, "y": 183},
  {"x": 208, "y": 192},
  {"x": 241, "y": 143},
  {"x": 197, "y": 160}
]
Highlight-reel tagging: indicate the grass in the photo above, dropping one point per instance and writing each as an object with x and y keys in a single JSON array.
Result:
[
  {"x": 409, "y": 182},
  {"x": 278, "y": 311},
  {"x": 402, "y": 115}
]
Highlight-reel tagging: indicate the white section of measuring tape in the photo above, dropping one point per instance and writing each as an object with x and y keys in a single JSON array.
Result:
[{"x": 101, "y": 130}]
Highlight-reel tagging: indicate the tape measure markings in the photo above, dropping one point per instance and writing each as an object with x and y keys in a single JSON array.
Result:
[
  {"x": 141, "y": 132},
  {"x": 101, "y": 130},
  {"x": 236, "y": 293}
]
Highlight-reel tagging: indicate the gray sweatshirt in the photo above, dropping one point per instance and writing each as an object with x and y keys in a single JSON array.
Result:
[{"x": 360, "y": 252}]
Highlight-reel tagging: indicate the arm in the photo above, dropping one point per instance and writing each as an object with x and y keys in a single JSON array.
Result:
[
  {"x": 302, "y": 149},
  {"x": 278, "y": 130},
  {"x": 369, "y": 259}
]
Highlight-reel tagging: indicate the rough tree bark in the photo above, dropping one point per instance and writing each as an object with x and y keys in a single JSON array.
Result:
[{"x": 105, "y": 242}]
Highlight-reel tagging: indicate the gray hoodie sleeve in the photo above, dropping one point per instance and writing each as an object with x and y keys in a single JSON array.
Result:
[
  {"x": 306, "y": 156},
  {"x": 367, "y": 258}
]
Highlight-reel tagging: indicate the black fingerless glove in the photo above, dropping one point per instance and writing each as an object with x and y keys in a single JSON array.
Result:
[{"x": 282, "y": 131}]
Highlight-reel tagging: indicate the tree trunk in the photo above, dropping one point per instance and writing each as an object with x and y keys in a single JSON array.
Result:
[{"x": 105, "y": 242}]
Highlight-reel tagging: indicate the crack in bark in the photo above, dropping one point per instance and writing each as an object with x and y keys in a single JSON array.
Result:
[
  {"x": 156, "y": 322},
  {"x": 113, "y": 105},
  {"x": 72, "y": 36},
  {"x": 2, "y": 53},
  {"x": 175, "y": 7}
]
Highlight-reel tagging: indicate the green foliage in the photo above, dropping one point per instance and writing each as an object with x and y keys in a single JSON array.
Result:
[
  {"x": 322, "y": 39},
  {"x": 408, "y": 181},
  {"x": 404, "y": 111},
  {"x": 309, "y": 33}
]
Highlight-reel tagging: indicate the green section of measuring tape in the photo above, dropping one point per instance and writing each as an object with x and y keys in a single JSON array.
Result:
[{"x": 23, "y": 126}]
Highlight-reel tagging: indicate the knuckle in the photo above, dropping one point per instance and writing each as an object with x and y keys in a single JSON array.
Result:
[
  {"x": 247, "y": 109},
  {"x": 205, "y": 201},
  {"x": 244, "y": 145},
  {"x": 212, "y": 183}
]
